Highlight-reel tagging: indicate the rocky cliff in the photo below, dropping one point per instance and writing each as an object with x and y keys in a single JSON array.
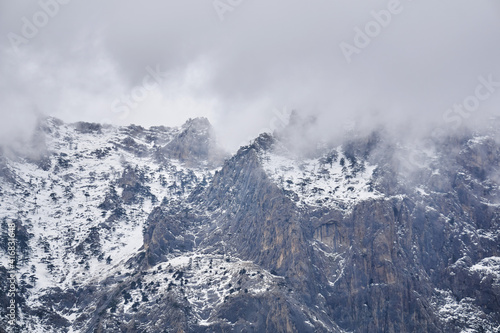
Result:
[{"x": 157, "y": 230}]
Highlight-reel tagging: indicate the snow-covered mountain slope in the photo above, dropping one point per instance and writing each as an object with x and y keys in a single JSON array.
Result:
[
  {"x": 127, "y": 229},
  {"x": 331, "y": 180},
  {"x": 85, "y": 200}
]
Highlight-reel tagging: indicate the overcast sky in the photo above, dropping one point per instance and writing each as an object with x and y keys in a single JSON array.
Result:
[{"x": 239, "y": 63}]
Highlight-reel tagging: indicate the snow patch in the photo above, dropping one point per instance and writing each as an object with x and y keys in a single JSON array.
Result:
[{"x": 331, "y": 180}]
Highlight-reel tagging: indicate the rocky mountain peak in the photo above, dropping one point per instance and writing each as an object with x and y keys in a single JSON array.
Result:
[
  {"x": 200, "y": 125},
  {"x": 195, "y": 143},
  {"x": 129, "y": 229}
]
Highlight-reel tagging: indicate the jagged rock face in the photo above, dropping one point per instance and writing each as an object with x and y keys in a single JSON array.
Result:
[
  {"x": 195, "y": 143},
  {"x": 165, "y": 233},
  {"x": 255, "y": 219},
  {"x": 379, "y": 288},
  {"x": 133, "y": 230},
  {"x": 5, "y": 173}
]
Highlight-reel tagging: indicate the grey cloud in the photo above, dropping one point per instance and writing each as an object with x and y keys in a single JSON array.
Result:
[{"x": 263, "y": 56}]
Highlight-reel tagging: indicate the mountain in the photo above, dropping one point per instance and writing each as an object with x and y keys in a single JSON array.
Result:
[{"x": 127, "y": 229}]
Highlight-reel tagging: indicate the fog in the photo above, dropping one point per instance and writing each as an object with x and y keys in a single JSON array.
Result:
[{"x": 403, "y": 65}]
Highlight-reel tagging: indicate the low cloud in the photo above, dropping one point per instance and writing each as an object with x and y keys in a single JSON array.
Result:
[{"x": 238, "y": 70}]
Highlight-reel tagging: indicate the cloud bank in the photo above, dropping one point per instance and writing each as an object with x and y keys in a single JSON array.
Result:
[{"x": 240, "y": 62}]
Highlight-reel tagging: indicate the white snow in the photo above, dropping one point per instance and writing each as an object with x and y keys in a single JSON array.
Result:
[
  {"x": 488, "y": 267},
  {"x": 315, "y": 182},
  {"x": 61, "y": 207},
  {"x": 463, "y": 312},
  {"x": 207, "y": 280}
]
